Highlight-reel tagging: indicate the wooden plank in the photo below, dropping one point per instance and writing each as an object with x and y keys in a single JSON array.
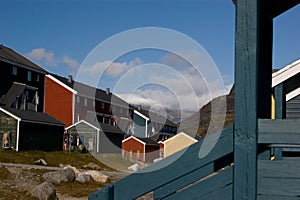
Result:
[
  {"x": 177, "y": 184},
  {"x": 277, "y": 197},
  {"x": 280, "y": 102},
  {"x": 279, "y": 6},
  {"x": 208, "y": 187},
  {"x": 279, "y": 131},
  {"x": 279, "y": 186},
  {"x": 105, "y": 193},
  {"x": 224, "y": 193},
  {"x": 278, "y": 169},
  {"x": 253, "y": 71},
  {"x": 171, "y": 168}
]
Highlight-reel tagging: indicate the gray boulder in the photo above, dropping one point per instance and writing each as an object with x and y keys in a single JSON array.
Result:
[
  {"x": 92, "y": 166},
  {"x": 60, "y": 176},
  {"x": 84, "y": 178},
  {"x": 97, "y": 176},
  {"x": 44, "y": 191},
  {"x": 40, "y": 162}
]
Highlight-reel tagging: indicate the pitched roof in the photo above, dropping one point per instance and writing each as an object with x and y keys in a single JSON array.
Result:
[
  {"x": 92, "y": 92},
  {"x": 106, "y": 128},
  {"x": 155, "y": 117},
  {"x": 145, "y": 141},
  {"x": 31, "y": 116},
  {"x": 15, "y": 91},
  {"x": 11, "y": 56}
]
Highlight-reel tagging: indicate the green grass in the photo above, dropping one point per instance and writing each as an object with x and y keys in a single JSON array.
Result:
[{"x": 52, "y": 158}]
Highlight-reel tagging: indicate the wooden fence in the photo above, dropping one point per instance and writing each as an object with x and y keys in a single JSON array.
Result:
[{"x": 184, "y": 175}]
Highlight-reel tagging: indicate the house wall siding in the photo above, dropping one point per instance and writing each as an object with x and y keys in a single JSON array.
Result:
[
  {"x": 293, "y": 108},
  {"x": 134, "y": 146},
  {"x": 58, "y": 102},
  {"x": 7, "y": 79},
  {"x": 44, "y": 137},
  {"x": 176, "y": 144}
]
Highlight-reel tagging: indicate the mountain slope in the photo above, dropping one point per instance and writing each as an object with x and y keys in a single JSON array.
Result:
[{"x": 199, "y": 122}]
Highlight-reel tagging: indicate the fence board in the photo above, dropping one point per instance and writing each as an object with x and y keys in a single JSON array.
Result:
[
  {"x": 279, "y": 131},
  {"x": 167, "y": 170},
  {"x": 172, "y": 187},
  {"x": 279, "y": 187},
  {"x": 278, "y": 169},
  {"x": 273, "y": 197},
  {"x": 208, "y": 188}
]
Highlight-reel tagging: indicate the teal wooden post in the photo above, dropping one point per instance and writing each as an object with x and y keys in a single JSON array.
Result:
[
  {"x": 280, "y": 102},
  {"x": 253, "y": 71}
]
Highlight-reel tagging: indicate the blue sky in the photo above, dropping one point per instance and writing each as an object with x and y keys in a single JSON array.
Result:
[{"x": 59, "y": 35}]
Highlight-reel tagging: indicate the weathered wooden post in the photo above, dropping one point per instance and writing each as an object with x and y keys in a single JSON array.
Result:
[{"x": 253, "y": 73}]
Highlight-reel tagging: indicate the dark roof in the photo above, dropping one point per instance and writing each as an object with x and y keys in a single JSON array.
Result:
[
  {"x": 16, "y": 90},
  {"x": 160, "y": 136},
  {"x": 149, "y": 141},
  {"x": 9, "y": 55},
  {"x": 33, "y": 117},
  {"x": 106, "y": 128},
  {"x": 155, "y": 117},
  {"x": 90, "y": 91}
]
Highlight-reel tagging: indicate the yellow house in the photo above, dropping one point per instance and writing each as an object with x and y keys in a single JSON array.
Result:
[
  {"x": 289, "y": 77},
  {"x": 175, "y": 143}
]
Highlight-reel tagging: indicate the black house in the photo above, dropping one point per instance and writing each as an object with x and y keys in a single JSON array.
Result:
[
  {"x": 28, "y": 130},
  {"x": 22, "y": 81}
]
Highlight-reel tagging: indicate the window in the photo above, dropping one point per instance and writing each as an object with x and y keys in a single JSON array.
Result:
[
  {"x": 102, "y": 105},
  {"x": 78, "y": 99},
  {"x": 37, "y": 78},
  {"x": 85, "y": 101},
  {"x": 29, "y": 76},
  {"x": 14, "y": 70}
]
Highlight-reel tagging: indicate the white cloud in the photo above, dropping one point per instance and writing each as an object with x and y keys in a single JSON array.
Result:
[
  {"x": 41, "y": 55},
  {"x": 49, "y": 59},
  {"x": 113, "y": 69},
  {"x": 72, "y": 64}
]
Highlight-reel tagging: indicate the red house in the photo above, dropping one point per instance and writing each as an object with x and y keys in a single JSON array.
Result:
[
  {"x": 70, "y": 101},
  {"x": 143, "y": 149}
]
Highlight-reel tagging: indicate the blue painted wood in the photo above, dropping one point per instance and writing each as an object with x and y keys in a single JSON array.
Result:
[
  {"x": 280, "y": 102},
  {"x": 279, "y": 131},
  {"x": 278, "y": 6},
  {"x": 278, "y": 169},
  {"x": 246, "y": 98},
  {"x": 171, "y": 168},
  {"x": 105, "y": 194},
  {"x": 175, "y": 185},
  {"x": 293, "y": 108},
  {"x": 279, "y": 178},
  {"x": 212, "y": 184},
  {"x": 275, "y": 197}
]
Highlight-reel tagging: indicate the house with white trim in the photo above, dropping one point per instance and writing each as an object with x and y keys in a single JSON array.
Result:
[
  {"x": 288, "y": 78},
  {"x": 175, "y": 144},
  {"x": 142, "y": 149}
]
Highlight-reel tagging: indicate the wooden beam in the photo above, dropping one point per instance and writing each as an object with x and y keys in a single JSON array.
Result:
[
  {"x": 280, "y": 102},
  {"x": 280, "y": 6},
  {"x": 253, "y": 72}
]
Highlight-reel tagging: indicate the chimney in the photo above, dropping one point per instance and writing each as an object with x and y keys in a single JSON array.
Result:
[
  {"x": 139, "y": 107},
  {"x": 70, "y": 78},
  {"x": 107, "y": 91}
]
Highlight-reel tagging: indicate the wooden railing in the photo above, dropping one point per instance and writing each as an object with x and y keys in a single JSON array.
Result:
[
  {"x": 278, "y": 170},
  {"x": 180, "y": 175}
]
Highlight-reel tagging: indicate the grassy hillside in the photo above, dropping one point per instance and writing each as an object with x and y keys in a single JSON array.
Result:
[
  {"x": 199, "y": 122},
  {"x": 52, "y": 158}
]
